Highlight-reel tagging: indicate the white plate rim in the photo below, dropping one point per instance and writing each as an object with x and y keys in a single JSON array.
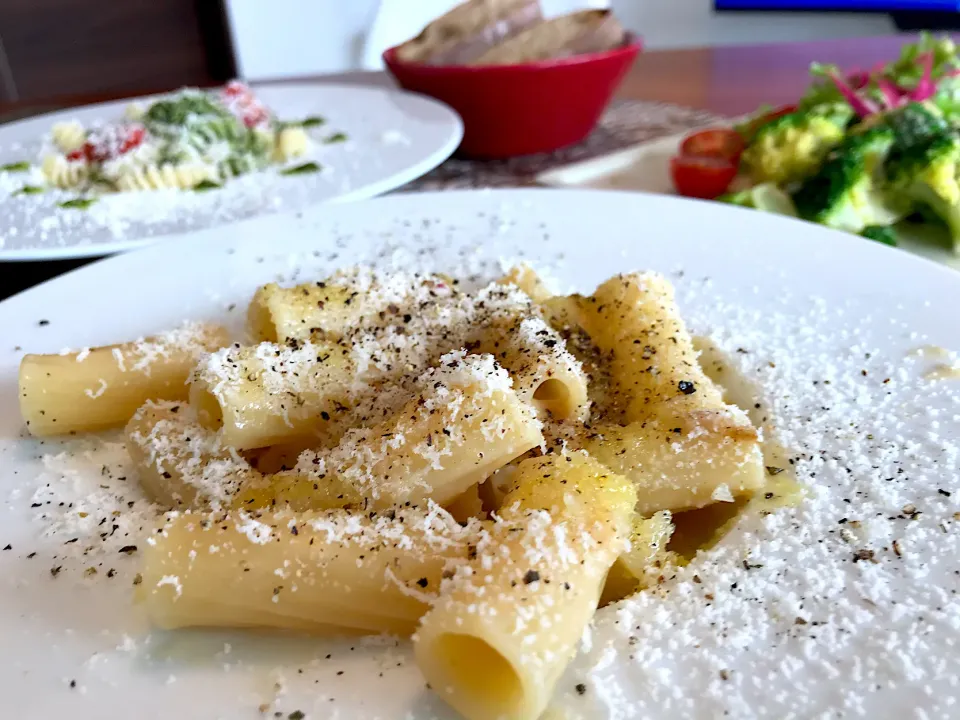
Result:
[
  {"x": 822, "y": 239},
  {"x": 373, "y": 189}
]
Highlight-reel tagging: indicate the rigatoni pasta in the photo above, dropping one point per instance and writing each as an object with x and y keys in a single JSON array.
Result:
[
  {"x": 478, "y": 469},
  {"x": 507, "y": 624},
  {"x": 269, "y": 394},
  {"x": 315, "y": 571},
  {"x": 653, "y": 363},
  {"x": 688, "y": 463},
  {"x": 99, "y": 388}
]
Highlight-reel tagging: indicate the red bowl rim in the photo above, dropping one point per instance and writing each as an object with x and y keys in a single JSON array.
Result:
[{"x": 631, "y": 46}]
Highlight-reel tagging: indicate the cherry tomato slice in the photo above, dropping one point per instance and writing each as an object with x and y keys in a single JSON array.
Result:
[
  {"x": 779, "y": 112},
  {"x": 701, "y": 177},
  {"x": 717, "y": 143}
]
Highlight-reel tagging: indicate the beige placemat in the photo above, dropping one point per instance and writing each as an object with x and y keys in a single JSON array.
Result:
[{"x": 625, "y": 123}]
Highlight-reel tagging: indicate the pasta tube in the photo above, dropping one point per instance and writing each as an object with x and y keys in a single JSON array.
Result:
[
  {"x": 544, "y": 373},
  {"x": 525, "y": 277},
  {"x": 318, "y": 572},
  {"x": 507, "y": 624},
  {"x": 702, "y": 458},
  {"x": 335, "y": 307},
  {"x": 269, "y": 394},
  {"x": 640, "y": 566},
  {"x": 465, "y": 422},
  {"x": 180, "y": 463},
  {"x": 100, "y": 388},
  {"x": 634, "y": 318}
]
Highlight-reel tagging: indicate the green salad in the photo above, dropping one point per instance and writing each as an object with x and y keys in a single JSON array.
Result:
[{"x": 868, "y": 152}]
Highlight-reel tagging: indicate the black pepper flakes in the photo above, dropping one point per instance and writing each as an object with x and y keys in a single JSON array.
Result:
[
  {"x": 686, "y": 387},
  {"x": 581, "y": 689},
  {"x": 296, "y": 715},
  {"x": 8, "y": 547},
  {"x": 531, "y": 576},
  {"x": 128, "y": 549},
  {"x": 422, "y": 582},
  {"x": 43, "y": 323}
]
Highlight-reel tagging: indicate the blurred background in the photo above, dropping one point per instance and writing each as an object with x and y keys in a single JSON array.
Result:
[{"x": 62, "y": 48}]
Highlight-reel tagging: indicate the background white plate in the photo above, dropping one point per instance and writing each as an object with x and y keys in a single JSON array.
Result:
[
  {"x": 394, "y": 137},
  {"x": 777, "y": 621},
  {"x": 646, "y": 167}
]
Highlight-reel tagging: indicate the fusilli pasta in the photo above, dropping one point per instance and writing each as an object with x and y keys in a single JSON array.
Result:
[
  {"x": 165, "y": 176},
  {"x": 63, "y": 173}
]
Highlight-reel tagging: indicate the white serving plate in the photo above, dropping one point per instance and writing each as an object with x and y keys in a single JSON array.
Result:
[
  {"x": 646, "y": 167},
  {"x": 776, "y": 621},
  {"x": 394, "y": 137}
]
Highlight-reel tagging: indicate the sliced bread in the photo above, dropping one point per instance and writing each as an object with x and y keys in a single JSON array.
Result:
[
  {"x": 469, "y": 30},
  {"x": 586, "y": 31}
]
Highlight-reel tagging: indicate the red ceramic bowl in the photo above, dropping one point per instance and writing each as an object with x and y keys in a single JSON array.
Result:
[{"x": 510, "y": 110}]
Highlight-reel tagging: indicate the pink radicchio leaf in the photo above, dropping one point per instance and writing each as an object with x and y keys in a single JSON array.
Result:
[
  {"x": 861, "y": 106},
  {"x": 926, "y": 88},
  {"x": 892, "y": 95},
  {"x": 858, "y": 79}
]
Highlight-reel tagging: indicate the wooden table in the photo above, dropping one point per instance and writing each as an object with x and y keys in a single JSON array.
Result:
[{"x": 726, "y": 81}]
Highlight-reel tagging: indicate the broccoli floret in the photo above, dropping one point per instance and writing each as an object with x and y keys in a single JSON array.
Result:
[
  {"x": 907, "y": 69},
  {"x": 881, "y": 234},
  {"x": 914, "y": 123},
  {"x": 766, "y": 197},
  {"x": 846, "y": 192},
  {"x": 927, "y": 173},
  {"x": 947, "y": 98},
  {"x": 179, "y": 109},
  {"x": 792, "y": 146}
]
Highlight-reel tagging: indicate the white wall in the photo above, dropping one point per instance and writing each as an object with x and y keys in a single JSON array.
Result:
[
  {"x": 290, "y": 38},
  {"x": 693, "y": 23}
]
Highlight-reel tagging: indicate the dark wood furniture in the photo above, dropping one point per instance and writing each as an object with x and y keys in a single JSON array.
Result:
[{"x": 55, "y": 48}]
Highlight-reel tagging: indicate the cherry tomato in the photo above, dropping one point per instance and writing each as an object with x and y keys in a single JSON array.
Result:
[
  {"x": 241, "y": 101},
  {"x": 110, "y": 142},
  {"x": 135, "y": 135},
  {"x": 700, "y": 176},
  {"x": 717, "y": 143}
]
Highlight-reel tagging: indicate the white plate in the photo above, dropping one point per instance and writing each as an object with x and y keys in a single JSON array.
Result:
[
  {"x": 394, "y": 137},
  {"x": 777, "y": 621},
  {"x": 646, "y": 167}
]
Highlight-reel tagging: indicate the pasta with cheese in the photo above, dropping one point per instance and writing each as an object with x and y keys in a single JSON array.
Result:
[
  {"x": 99, "y": 388},
  {"x": 165, "y": 176},
  {"x": 65, "y": 174},
  {"x": 188, "y": 140},
  {"x": 478, "y": 469},
  {"x": 561, "y": 529}
]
